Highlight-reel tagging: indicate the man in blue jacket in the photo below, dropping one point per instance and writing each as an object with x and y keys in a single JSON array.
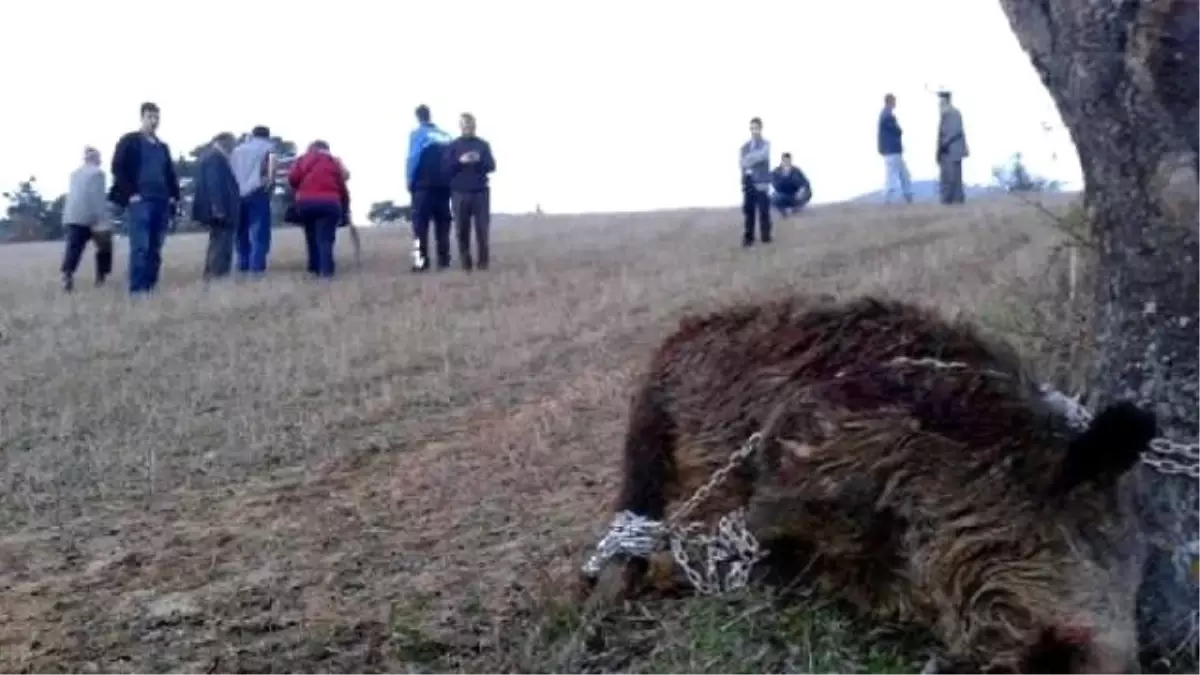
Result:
[
  {"x": 429, "y": 189},
  {"x": 891, "y": 148},
  {"x": 144, "y": 183}
]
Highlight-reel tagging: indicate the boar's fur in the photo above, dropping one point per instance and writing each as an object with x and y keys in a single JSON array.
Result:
[{"x": 913, "y": 465}]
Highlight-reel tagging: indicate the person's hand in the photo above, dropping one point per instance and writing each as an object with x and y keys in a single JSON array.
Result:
[
  {"x": 133, "y": 199},
  {"x": 467, "y": 157}
]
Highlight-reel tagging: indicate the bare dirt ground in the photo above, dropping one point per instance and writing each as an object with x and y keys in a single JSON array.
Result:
[{"x": 394, "y": 472}]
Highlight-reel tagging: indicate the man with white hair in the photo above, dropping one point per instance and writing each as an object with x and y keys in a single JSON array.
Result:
[{"x": 85, "y": 216}]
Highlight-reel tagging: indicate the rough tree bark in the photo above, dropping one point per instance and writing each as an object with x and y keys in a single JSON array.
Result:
[{"x": 1124, "y": 76}]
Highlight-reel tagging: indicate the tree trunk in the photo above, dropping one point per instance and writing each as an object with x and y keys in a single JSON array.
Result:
[{"x": 1124, "y": 76}]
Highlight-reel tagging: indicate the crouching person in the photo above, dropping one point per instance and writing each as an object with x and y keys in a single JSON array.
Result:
[
  {"x": 85, "y": 215},
  {"x": 318, "y": 180},
  {"x": 792, "y": 190},
  {"x": 216, "y": 205}
]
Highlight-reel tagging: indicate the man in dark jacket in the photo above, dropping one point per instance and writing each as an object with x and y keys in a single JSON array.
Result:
[
  {"x": 792, "y": 189},
  {"x": 217, "y": 205},
  {"x": 891, "y": 148},
  {"x": 467, "y": 163},
  {"x": 430, "y": 192},
  {"x": 145, "y": 184}
]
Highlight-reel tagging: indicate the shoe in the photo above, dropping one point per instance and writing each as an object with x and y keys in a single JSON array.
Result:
[{"x": 68, "y": 284}]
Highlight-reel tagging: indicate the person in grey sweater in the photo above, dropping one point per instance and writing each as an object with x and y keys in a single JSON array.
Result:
[
  {"x": 755, "y": 162},
  {"x": 217, "y": 204},
  {"x": 951, "y": 151},
  {"x": 85, "y": 217},
  {"x": 255, "y": 162}
]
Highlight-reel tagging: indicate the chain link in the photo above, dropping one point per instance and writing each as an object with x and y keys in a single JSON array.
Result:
[
  {"x": 731, "y": 551},
  {"x": 727, "y": 556}
]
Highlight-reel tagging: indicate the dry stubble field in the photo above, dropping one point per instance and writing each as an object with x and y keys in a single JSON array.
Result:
[{"x": 393, "y": 472}]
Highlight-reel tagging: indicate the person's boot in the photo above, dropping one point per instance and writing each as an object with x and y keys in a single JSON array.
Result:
[
  {"x": 419, "y": 262},
  {"x": 467, "y": 263},
  {"x": 68, "y": 283}
]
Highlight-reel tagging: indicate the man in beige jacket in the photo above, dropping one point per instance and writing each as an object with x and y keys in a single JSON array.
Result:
[{"x": 85, "y": 216}]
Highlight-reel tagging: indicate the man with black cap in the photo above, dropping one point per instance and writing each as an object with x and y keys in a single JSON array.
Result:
[{"x": 951, "y": 151}]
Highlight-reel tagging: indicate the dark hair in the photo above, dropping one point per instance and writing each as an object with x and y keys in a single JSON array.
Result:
[
  {"x": 149, "y": 107},
  {"x": 318, "y": 145},
  {"x": 423, "y": 113},
  {"x": 260, "y": 131},
  {"x": 224, "y": 137},
  {"x": 888, "y": 97},
  {"x": 944, "y": 95},
  {"x": 468, "y": 117},
  {"x": 787, "y": 155},
  {"x": 756, "y": 120}
]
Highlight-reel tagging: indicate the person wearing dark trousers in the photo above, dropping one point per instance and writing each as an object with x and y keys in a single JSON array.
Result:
[
  {"x": 429, "y": 189},
  {"x": 318, "y": 179},
  {"x": 467, "y": 162},
  {"x": 254, "y": 163},
  {"x": 755, "y": 162},
  {"x": 145, "y": 184},
  {"x": 85, "y": 215},
  {"x": 951, "y": 151},
  {"x": 792, "y": 191},
  {"x": 216, "y": 204}
]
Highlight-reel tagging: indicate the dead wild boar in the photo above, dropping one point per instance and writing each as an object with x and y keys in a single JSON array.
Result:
[{"x": 914, "y": 467}]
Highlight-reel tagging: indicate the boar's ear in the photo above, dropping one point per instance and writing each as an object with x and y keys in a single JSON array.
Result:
[{"x": 1109, "y": 447}]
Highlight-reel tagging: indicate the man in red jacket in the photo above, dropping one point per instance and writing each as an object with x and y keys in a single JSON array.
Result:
[{"x": 318, "y": 180}]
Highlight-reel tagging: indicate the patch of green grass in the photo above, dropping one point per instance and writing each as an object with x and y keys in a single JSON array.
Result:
[{"x": 754, "y": 631}]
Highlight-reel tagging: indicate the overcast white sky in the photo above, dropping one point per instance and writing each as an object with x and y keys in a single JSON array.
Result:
[{"x": 616, "y": 105}]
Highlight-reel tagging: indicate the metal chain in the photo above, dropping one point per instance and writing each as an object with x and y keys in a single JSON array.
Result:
[
  {"x": 733, "y": 545},
  {"x": 728, "y": 554}
]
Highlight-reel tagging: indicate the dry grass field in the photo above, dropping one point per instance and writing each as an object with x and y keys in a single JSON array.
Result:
[{"x": 400, "y": 473}]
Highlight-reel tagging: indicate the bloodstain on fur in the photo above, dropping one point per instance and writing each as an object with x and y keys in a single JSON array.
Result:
[{"x": 950, "y": 497}]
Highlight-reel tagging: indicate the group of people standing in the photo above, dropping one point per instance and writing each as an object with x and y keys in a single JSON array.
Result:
[
  {"x": 448, "y": 180},
  {"x": 951, "y": 151},
  {"x": 232, "y": 197},
  {"x": 233, "y": 186},
  {"x": 788, "y": 189}
]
